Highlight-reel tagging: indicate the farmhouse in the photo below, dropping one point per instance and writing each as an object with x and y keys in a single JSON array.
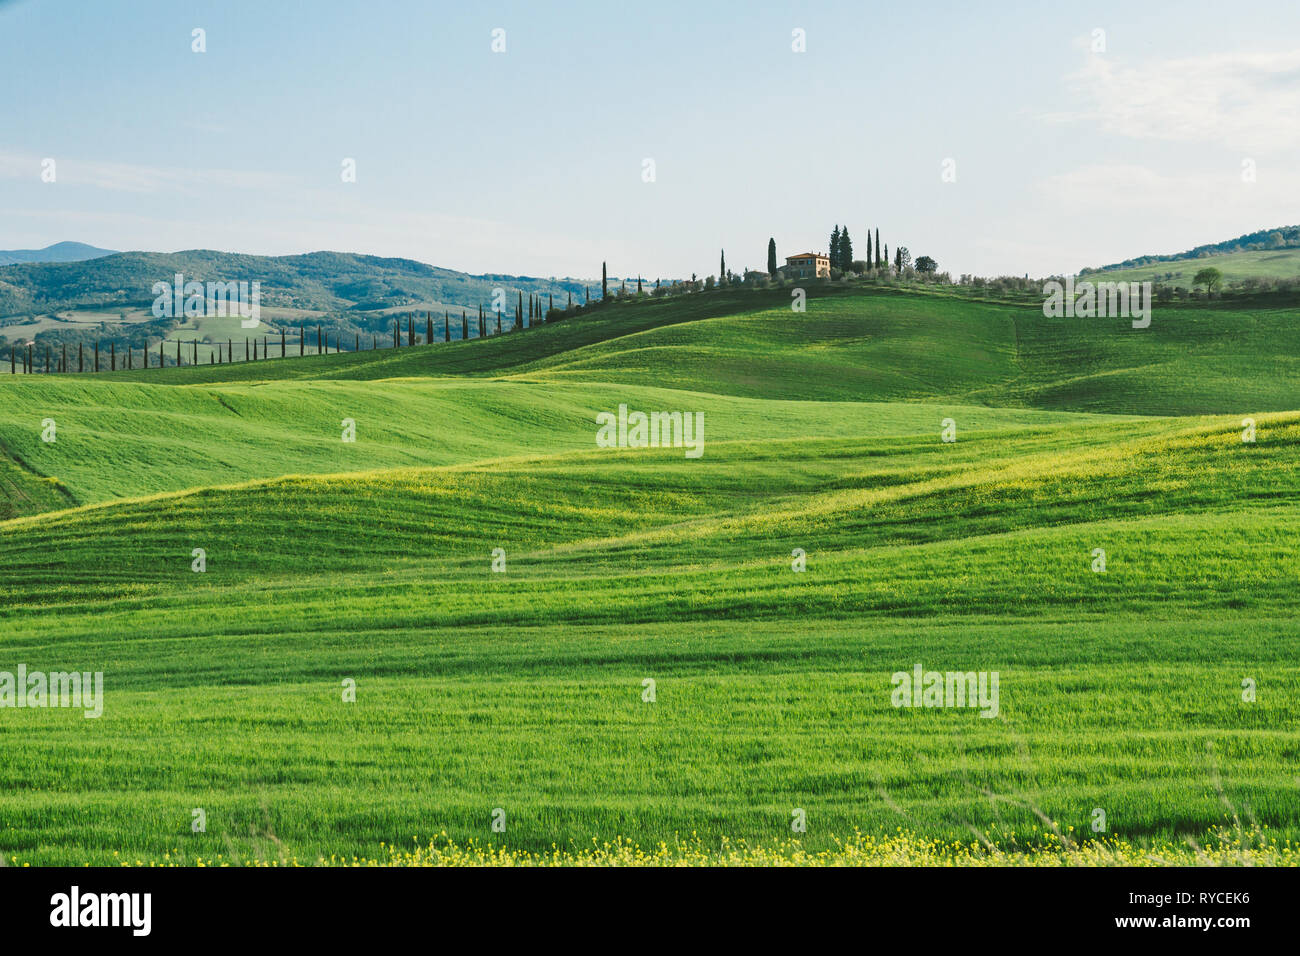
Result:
[{"x": 807, "y": 264}]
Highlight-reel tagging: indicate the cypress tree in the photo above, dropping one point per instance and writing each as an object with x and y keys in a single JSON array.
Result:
[
  {"x": 604, "y": 283},
  {"x": 428, "y": 328},
  {"x": 722, "y": 265},
  {"x": 878, "y": 254},
  {"x": 771, "y": 259},
  {"x": 464, "y": 325},
  {"x": 834, "y": 253},
  {"x": 846, "y": 250},
  {"x": 870, "y": 262}
]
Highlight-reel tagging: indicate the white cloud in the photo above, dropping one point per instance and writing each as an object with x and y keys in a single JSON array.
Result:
[
  {"x": 1123, "y": 189},
  {"x": 134, "y": 177},
  {"x": 1245, "y": 101}
]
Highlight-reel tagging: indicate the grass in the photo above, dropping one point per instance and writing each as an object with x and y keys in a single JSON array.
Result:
[
  {"x": 522, "y": 691},
  {"x": 1235, "y": 266},
  {"x": 1234, "y": 847}
]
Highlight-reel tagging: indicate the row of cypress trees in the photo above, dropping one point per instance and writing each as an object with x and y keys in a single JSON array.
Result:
[{"x": 841, "y": 251}]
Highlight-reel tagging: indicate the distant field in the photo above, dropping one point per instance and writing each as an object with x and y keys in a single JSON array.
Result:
[
  {"x": 1235, "y": 266},
  {"x": 877, "y": 346},
  {"x": 523, "y": 691}
]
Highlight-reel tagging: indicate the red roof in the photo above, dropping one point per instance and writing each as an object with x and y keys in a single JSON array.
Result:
[{"x": 808, "y": 255}]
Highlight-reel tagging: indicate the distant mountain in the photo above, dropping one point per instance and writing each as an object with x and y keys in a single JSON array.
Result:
[
  {"x": 1283, "y": 237},
  {"x": 59, "y": 252},
  {"x": 333, "y": 282}
]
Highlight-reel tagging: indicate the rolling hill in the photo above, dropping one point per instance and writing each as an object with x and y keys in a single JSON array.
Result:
[
  {"x": 1251, "y": 260},
  {"x": 58, "y": 252},
  {"x": 647, "y": 664},
  {"x": 317, "y": 282},
  {"x": 1250, "y": 270}
]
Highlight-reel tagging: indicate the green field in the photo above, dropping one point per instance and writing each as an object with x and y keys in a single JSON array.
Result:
[
  {"x": 1235, "y": 266},
  {"x": 522, "y": 690}
]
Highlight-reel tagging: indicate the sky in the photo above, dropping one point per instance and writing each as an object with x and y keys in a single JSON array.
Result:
[{"x": 997, "y": 138}]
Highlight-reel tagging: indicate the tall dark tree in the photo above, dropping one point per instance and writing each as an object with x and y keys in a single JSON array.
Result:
[
  {"x": 604, "y": 282},
  {"x": 834, "y": 253},
  {"x": 879, "y": 259},
  {"x": 870, "y": 262},
  {"x": 722, "y": 266},
  {"x": 771, "y": 258},
  {"x": 846, "y": 251},
  {"x": 638, "y": 285}
]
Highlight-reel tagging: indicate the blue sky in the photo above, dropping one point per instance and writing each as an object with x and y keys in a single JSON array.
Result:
[{"x": 531, "y": 161}]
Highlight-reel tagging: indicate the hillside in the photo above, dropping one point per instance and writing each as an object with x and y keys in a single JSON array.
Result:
[
  {"x": 856, "y": 344},
  {"x": 58, "y": 252},
  {"x": 1263, "y": 240},
  {"x": 523, "y": 689},
  {"x": 318, "y": 282},
  {"x": 1252, "y": 259},
  {"x": 1247, "y": 270}
]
